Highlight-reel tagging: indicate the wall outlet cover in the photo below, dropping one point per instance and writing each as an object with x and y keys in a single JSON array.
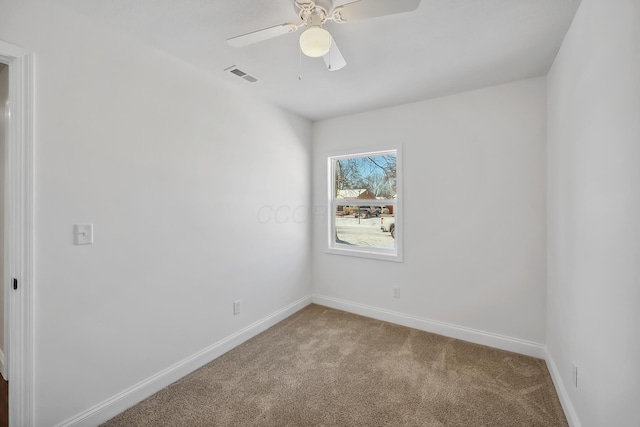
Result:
[
  {"x": 396, "y": 291},
  {"x": 83, "y": 234}
]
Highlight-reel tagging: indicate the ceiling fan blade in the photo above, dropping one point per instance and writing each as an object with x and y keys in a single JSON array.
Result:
[
  {"x": 334, "y": 59},
  {"x": 363, "y": 9},
  {"x": 261, "y": 35}
]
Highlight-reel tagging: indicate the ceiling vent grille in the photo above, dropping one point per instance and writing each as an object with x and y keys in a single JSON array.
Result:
[{"x": 238, "y": 72}]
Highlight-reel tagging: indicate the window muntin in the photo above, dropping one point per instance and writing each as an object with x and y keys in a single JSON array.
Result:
[{"x": 364, "y": 204}]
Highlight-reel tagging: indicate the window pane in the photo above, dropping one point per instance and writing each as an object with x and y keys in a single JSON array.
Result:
[
  {"x": 366, "y": 177},
  {"x": 360, "y": 225}
]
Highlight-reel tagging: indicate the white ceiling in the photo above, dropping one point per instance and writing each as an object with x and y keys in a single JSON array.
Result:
[{"x": 444, "y": 47}]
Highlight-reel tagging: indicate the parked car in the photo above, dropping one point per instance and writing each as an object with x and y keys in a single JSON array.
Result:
[
  {"x": 366, "y": 211},
  {"x": 388, "y": 223}
]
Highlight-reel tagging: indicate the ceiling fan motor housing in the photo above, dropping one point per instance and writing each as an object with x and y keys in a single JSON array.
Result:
[{"x": 315, "y": 19}]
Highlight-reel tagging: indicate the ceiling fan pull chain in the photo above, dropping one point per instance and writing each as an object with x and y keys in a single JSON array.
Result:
[{"x": 299, "y": 63}]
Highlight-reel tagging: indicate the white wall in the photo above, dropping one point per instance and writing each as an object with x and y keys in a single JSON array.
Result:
[
  {"x": 474, "y": 177},
  {"x": 172, "y": 166},
  {"x": 594, "y": 212}
]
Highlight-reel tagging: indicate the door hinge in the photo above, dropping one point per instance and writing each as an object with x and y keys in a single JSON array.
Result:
[{"x": 15, "y": 284}]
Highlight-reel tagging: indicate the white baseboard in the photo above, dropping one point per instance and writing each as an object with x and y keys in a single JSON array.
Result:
[
  {"x": 502, "y": 342},
  {"x": 3, "y": 372},
  {"x": 138, "y": 392},
  {"x": 563, "y": 395}
]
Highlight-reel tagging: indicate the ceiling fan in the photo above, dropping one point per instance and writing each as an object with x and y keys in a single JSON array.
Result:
[{"x": 315, "y": 41}]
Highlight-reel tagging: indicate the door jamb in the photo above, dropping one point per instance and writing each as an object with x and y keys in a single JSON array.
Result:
[{"x": 19, "y": 197}]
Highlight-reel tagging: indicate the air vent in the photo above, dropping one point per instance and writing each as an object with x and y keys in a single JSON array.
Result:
[{"x": 238, "y": 72}]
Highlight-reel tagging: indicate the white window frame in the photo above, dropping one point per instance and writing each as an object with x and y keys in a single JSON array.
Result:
[{"x": 334, "y": 247}]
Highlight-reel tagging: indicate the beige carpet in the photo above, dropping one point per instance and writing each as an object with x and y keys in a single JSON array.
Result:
[{"x": 324, "y": 367}]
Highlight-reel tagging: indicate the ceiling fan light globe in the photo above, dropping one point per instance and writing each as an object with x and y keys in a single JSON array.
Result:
[{"x": 315, "y": 42}]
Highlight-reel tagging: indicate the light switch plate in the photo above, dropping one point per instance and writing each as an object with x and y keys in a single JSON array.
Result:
[{"x": 83, "y": 234}]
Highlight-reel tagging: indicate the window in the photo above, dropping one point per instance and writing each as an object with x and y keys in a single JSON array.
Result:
[{"x": 365, "y": 205}]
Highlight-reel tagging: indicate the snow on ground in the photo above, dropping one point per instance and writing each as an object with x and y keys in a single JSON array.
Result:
[{"x": 363, "y": 232}]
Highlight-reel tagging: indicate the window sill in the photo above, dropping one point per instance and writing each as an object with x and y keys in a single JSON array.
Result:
[{"x": 361, "y": 252}]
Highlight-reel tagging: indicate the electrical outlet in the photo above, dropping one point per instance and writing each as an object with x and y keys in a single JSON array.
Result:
[
  {"x": 574, "y": 374},
  {"x": 236, "y": 307},
  {"x": 83, "y": 234},
  {"x": 396, "y": 291}
]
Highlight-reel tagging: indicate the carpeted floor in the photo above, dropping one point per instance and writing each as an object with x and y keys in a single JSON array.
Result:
[{"x": 325, "y": 367}]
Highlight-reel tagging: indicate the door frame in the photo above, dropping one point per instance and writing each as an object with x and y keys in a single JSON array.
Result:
[{"x": 19, "y": 237}]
